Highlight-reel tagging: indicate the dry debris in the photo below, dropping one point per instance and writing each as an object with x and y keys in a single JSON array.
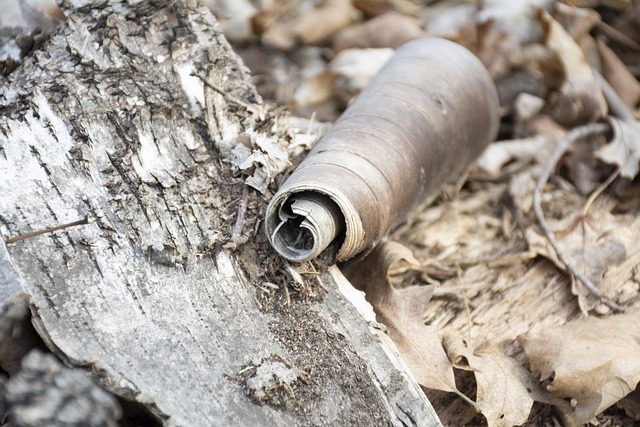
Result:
[
  {"x": 593, "y": 362},
  {"x": 400, "y": 310},
  {"x": 488, "y": 273},
  {"x": 486, "y": 287}
]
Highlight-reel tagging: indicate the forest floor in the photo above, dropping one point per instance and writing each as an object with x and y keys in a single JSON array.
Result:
[
  {"x": 532, "y": 254},
  {"x": 531, "y": 258}
]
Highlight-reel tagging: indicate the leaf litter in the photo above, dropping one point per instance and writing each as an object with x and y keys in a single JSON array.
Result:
[
  {"x": 502, "y": 394},
  {"x": 475, "y": 272},
  {"x": 593, "y": 362},
  {"x": 400, "y": 310}
]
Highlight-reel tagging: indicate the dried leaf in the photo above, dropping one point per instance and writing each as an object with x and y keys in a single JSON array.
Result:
[
  {"x": 595, "y": 362},
  {"x": 322, "y": 22},
  {"x": 234, "y": 17},
  {"x": 590, "y": 243},
  {"x": 345, "y": 77},
  {"x": 515, "y": 17},
  {"x": 390, "y": 29},
  {"x": 264, "y": 161},
  {"x": 495, "y": 48},
  {"x": 580, "y": 99},
  {"x": 355, "y": 68},
  {"x": 378, "y": 7},
  {"x": 286, "y": 28},
  {"x": 314, "y": 90},
  {"x": 400, "y": 310},
  {"x": 617, "y": 74},
  {"x": 624, "y": 148},
  {"x": 577, "y": 21},
  {"x": 448, "y": 20},
  {"x": 502, "y": 396},
  {"x": 521, "y": 189},
  {"x": 631, "y": 404},
  {"x": 627, "y": 29},
  {"x": 302, "y": 133},
  {"x": 615, "y": 4},
  {"x": 517, "y": 151}
]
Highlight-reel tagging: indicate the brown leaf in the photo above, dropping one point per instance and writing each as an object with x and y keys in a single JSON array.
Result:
[
  {"x": 617, "y": 74},
  {"x": 502, "y": 397},
  {"x": 631, "y": 404},
  {"x": 234, "y": 17},
  {"x": 401, "y": 310},
  {"x": 624, "y": 148},
  {"x": 615, "y": 4},
  {"x": 378, "y": 7},
  {"x": 590, "y": 242},
  {"x": 499, "y": 154},
  {"x": 495, "y": 48},
  {"x": 345, "y": 77},
  {"x": 319, "y": 24},
  {"x": 580, "y": 99},
  {"x": 595, "y": 362},
  {"x": 314, "y": 90},
  {"x": 577, "y": 21},
  {"x": 390, "y": 29},
  {"x": 354, "y": 69},
  {"x": 284, "y": 28}
]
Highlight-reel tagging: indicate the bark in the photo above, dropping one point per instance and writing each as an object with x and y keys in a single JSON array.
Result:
[{"x": 111, "y": 119}]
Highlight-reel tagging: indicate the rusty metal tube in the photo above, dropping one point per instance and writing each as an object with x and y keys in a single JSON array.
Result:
[{"x": 430, "y": 111}]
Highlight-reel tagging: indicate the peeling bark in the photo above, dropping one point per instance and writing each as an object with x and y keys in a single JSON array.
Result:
[{"x": 112, "y": 119}]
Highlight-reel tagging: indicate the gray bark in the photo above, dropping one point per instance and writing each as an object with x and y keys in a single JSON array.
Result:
[{"x": 107, "y": 120}]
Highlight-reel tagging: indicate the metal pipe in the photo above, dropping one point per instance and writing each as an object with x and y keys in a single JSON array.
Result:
[{"x": 430, "y": 111}]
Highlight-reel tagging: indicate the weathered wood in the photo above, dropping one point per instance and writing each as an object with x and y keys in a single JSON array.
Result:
[
  {"x": 107, "y": 120},
  {"x": 9, "y": 282}
]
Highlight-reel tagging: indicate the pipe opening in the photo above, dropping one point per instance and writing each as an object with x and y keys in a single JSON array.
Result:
[{"x": 308, "y": 223}]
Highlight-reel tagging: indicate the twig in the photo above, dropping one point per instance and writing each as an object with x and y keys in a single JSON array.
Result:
[
  {"x": 85, "y": 220},
  {"x": 593, "y": 196},
  {"x": 571, "y": 137},
  {"x": 286, "y": 293},
  {"x": 250, "y": 108},
  {"x": 290, "y": 365},
  {"x": 467, "y": 309},
  {"x": 616, "y": 104},
  {"x": 297, "y": 278},
  {"x": 236, "y": 232},
  {"x": 616, "y": 35}
]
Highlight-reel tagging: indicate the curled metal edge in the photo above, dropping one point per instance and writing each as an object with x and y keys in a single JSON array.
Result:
[
  {"x": 472, "y": 95},
  {"x": 348, "y": 223}
]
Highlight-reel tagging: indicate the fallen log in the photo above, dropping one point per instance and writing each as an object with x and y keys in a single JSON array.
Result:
[{"x": 123, "y": 117}]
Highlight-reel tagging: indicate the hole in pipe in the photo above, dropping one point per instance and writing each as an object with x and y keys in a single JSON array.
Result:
[
  {"x": 309, "y": 222},
  {"x": 295, "y": 235}
]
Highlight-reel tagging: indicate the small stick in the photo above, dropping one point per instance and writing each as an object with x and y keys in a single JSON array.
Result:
[
  {"x": 593, "y": 196},
  {"x": 571, "y": 137},
  {"x": 228, "y": 96},
  {"x": 616, "y": 35},
  {"x": 290, "y": 365},
  {"x": 467, "y": 309},
  {"x": 616, "y": 105},
  {"x": 236, "y": 232},
  {"x": 84, "y": 221},
  {"x": 286, "y": 293}
]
